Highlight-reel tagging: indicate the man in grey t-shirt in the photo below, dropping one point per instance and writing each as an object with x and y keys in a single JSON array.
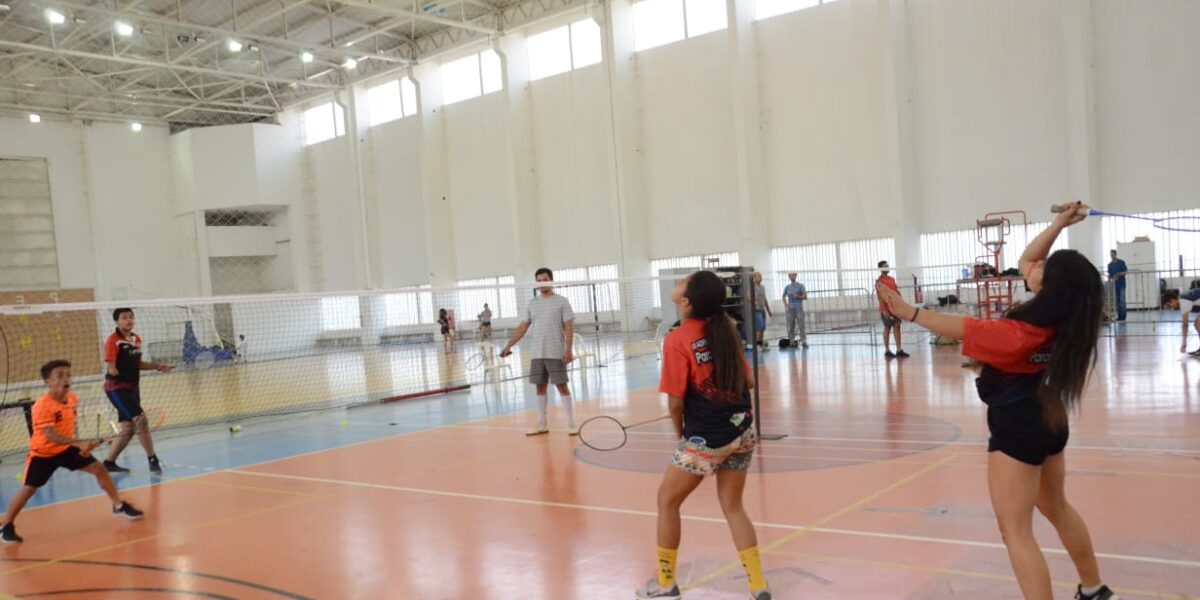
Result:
[{"x": 550, "y": 323}]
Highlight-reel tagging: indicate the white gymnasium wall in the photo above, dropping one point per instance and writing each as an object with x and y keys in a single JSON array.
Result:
[
  {"x": 686, "y": 147},
  {"x": 1148, "y": 103},
  {"x": 823, "y": 86},
  {"x": 61, "y": 144},
  {"x": 335, "y": 217},
  {"x": 572, "y": 147},
  {"x": 480, "y": 180},
  {"x": 990, "y": 120},
  {"x": 133, "y": 211},
  {"x": 392, "y": 180},
  {"x": 990, "y": 98},
  {"x": 113, "y": 202}
]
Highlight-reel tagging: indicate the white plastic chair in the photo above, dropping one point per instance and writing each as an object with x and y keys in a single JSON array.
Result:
[
  {"x": 493, "y": 366},
  {"x": 583, "y": 357}
]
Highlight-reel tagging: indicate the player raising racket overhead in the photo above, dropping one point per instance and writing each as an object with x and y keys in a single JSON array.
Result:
[
  {"x": 1036, "y": 362},
  {"x": 707, "y": 380}
]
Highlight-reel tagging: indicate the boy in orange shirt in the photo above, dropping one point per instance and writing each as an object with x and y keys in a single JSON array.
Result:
[{"x": 53, "y": 445}]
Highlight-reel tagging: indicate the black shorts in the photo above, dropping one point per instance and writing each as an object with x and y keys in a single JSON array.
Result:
[
  {"x": 38, "y": 469},
  {"x": 445, "y": 331},
  {"x": 889, "y": 320},
  {"x": 1018, "y": 431},
  {"x": 127, "y": 402}
]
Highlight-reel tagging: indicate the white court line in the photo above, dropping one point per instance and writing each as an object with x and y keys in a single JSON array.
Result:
[
  {"x": 883, "y": 441},
  {"x": 642, "y": 513}
]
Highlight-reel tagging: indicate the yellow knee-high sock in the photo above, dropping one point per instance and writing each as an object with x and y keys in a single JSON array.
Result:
[
  {"x": 753, "y": 564},
  {"x": 666, "y": 566}
]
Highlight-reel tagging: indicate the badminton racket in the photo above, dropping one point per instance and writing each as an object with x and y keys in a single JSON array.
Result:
[
  {"x": 475, "y": 361},
  {"x": 1183, "y": 224},
  {"x": 605, "y": 433}
]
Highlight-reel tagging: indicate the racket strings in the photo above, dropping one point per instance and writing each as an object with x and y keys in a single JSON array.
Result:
[{"x": 602, "y": 433}]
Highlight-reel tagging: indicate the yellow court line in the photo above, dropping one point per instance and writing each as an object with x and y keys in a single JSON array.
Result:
[
  {"x": 181, "y": 530},
  {"x": 787, "y": 539},
  {"x": 959, "y": 572}
]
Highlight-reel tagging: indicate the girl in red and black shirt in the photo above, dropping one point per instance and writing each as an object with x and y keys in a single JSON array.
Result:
[
  {"x": 707, "y": 382},
  {"x": 1036, "y": 362}
]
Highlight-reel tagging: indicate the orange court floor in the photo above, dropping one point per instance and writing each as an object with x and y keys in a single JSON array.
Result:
[{"x": 878, "y": 491}]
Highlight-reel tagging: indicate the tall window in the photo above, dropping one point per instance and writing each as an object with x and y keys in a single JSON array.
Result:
[
  {"x": 831, "y": 269},
  {"x": 1168, "y": 245},
  {"x": 858, "y": 262},
  {"x": 661, "y": 22},
  {"x": 696, "y": 261},
  {"x": 324, "y": 122},
  {"x": 409, "y": 308},
  {"x": 496, "y": 292},
  {"x": 814, "y": 264},
  {"x": 607, "y": 295},
  {"x": 765, "y": 9},
  {"x": 564, "y": 48},
  {"x": 945, "y": 255},
  {"x": 392, "y": 100},
  {"x": 340, "y": 313},
  {"x": 471, "y": 76}
]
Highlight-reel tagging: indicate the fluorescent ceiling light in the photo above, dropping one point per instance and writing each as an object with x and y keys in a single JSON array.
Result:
[
  {"x": 55, "y": 17},
  {"x": 35, "y": 118},
  {"x": 306, "y": 57},
  {"x": 135, "y": 127},
  {"x": 234, "y": 46},
  {"x": 123, "y": 29}
]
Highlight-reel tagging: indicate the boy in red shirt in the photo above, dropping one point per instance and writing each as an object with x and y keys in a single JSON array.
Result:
[
  {"x": 53, "y": 445},
  {"x": 123, "y": 354},
  {"x": 890, "y": 322}
]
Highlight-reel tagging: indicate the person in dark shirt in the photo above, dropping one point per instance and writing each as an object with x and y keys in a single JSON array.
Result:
[
  {"x": 1036, "y": 363},
  {"x": 122, "y": 380}
]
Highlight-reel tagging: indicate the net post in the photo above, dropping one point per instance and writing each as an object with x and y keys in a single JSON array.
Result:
[
  {"x": 749, "y": 308},
  {"x": 596, "y": 321}
]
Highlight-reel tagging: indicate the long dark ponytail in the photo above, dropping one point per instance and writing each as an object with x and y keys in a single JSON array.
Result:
[
  {"x": 706, "y": 293},
  {"x": 1072, "y": 302}
]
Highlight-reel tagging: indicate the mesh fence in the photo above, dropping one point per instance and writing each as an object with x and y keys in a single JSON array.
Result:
[{"x": 245, "y": 357}]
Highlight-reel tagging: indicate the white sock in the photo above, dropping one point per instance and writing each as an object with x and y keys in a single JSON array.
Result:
[
  {"x": 542, "y": 402},
  {"x": 569, "y": 407},
  {"x": 1092, "y": 590}
]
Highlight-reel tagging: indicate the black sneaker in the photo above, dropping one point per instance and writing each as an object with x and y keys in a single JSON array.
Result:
[
  {"x": 8, "y": 534},
  {"x": 902, "y": 354},
  {"x": 113, "y": 467},
  {"x": 889, "y": 354},
  {"x": 127, "y": 511},
  {"x": 1101, "y": 594},
  {"x": 155, "y": 467}
]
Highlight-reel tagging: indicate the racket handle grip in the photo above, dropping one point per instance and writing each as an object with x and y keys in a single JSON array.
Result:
[{"x": 1083, "y": 212}]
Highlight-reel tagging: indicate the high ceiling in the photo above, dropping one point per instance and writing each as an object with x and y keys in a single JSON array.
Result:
[{"x": 177, "y": 61}]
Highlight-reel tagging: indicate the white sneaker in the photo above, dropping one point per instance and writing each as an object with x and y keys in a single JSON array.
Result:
[
  {"x": 653, "y": 591},
  {"x": 572, "y": 430},
  {"x": 539, "y": 430}
]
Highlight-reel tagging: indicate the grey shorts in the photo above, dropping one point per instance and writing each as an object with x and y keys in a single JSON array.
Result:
[
  {"x": 547, "y": 370},
  {"x": 889, "y": 320}
]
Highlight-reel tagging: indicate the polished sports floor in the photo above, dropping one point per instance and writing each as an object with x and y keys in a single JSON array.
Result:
[{"x": 878, "y": 491}]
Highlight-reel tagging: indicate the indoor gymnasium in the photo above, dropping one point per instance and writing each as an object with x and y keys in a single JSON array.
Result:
[{"x": 600, "y": 299}]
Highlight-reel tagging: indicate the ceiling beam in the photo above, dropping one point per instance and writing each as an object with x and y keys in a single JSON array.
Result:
[
  {"x": 390, "y": 9},
  {"x": 334, "y": 55},
  {"x": 142, "y": 62},
  {"x": 166, "y": 103}
]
